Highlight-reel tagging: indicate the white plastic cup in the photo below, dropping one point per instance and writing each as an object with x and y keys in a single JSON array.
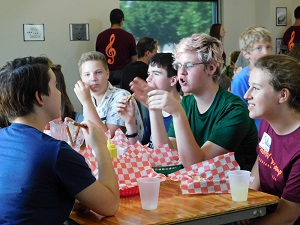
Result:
[
  {"x": 239, "y": 184},
  {"x": 149, "y": 192}
]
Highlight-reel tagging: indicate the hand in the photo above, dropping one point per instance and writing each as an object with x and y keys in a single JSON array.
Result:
[
  {"x": 82, "y": 91},
  {"x": 68, "y": 120},
  {"x": 159, "y": 99},
  {"x": 140, "y": 89},
  {"x": 94, "y": 135},
  {"x": 126, "y": 110}
]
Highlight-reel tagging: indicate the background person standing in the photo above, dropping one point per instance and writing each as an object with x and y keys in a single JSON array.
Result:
[
  {"x": 117, "y": 45},
  {"x": 292, "y": 34}
]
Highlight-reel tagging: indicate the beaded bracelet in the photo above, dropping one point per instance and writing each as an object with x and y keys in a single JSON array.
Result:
[{"x": 131, "y": 135}]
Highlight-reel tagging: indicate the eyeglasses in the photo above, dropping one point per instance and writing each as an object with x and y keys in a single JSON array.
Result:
[{"x": 187, "y": 65}]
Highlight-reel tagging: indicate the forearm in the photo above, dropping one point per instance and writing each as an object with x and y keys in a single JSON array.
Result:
[
  {"x": 91, "y": 114},
  {"x": 255, "y": 184},
  {"x": 106, "y": 173},
  {"x": 286, "y": 213},
  {"x": 131, "y": 129},
  {"x": 188, "y": 149},
  {"x": 158, "y": 130}
]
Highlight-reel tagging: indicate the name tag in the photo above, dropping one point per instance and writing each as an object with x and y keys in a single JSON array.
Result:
[{"x": 265, "y": 142}]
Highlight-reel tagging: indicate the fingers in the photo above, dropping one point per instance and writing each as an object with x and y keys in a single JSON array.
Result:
[
  {"x": 138, "y": 85},
  {"x": 68, "y": 120},
  {"x": 139, "y": 81},
  {"x": 156, "y": 93}
]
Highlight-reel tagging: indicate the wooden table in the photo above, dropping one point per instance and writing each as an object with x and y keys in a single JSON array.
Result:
[{"x": 174, "y": 208}]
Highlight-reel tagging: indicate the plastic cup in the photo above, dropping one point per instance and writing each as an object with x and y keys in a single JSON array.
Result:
[
  {"x": 149, "y": 192},
  {"x": 239, "y": 184}
]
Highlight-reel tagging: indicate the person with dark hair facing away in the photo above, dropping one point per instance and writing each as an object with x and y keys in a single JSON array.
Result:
[
  {"x": 146, "y": 47},
  {"x": 67, "y": 108},
  {"x": 40, "y": 176},
  {"x": 3, "y": 121},
  {"x": 117, "y": 45},
  {"x": 225, "y": 82},
  {"x": 292, "y": 34},
  {"x": 229, "y": 70},
  {"x": 217, "y": 30}
]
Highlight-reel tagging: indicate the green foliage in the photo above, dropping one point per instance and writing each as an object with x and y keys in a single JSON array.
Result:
[{"x": 167, "y": 21}]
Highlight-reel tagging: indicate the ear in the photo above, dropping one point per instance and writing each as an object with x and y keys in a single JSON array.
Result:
[
  {"x": 39, "y": 100},
  {"x": 212, "y": 67},
  {"x": 284, "y": 95},
  {"x": 174, "y": 80},
  {"x": 148, "y": 54}
]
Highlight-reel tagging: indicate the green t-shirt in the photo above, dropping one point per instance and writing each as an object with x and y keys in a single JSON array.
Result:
[
  {"x": 228, "y": 71},
  {"x": 226, "y": 123}
]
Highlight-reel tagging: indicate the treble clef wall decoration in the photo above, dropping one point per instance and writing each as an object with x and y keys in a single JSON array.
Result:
[
  {"x": 291, "y": 41},
  {"x": 110, "y": 51}
]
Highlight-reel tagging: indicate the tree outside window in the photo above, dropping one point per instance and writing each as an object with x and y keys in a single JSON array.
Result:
[{"x": 168, "y": 21}]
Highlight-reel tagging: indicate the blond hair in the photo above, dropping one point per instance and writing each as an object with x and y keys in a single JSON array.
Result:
[
  {"x": 92, "y": 56},
  {"x": 253, "y": 35},
  {"x": 208, "y": 49}
]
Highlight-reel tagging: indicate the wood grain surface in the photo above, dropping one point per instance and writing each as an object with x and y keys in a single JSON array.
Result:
[{"x": 174, "y": 207}]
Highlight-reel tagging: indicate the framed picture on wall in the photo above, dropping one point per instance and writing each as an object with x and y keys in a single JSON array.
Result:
[
  {"x": 79, "y": 32},
  {"x": 281, "y": 14},
  {"x": 33, "y": 32},
  {"x": 279, "y": 45}
]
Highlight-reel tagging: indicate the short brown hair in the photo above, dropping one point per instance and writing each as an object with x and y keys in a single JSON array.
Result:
[{"x": 20, "y": 79}]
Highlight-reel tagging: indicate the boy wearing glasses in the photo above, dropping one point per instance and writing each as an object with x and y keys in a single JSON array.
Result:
[
  {"x": 210, "y": 121},
  {"x": 255, "y": 42}
]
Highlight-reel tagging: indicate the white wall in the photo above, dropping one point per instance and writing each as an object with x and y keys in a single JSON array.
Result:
[
  {"x": 239, "y": 14},
  {"x": 56, "y": 15}
]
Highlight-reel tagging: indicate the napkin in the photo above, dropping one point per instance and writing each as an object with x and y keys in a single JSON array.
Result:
[
  {"x": 128, "y": 170},
  {"x": 161, "y": 156},
  {"x": 209, "y": 176}
]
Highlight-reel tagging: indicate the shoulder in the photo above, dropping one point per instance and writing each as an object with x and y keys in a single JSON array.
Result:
[
  {"x": 242, "y": 75},
  {"x": 228, "y": 101}
]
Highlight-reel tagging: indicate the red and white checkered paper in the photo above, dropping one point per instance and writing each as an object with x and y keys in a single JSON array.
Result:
[
  {"x": 90, "y": 159},
  {"x": 161, "y": 156},
  {"x": 209, "y": 176},
  {"x": 128, "y": 170}
]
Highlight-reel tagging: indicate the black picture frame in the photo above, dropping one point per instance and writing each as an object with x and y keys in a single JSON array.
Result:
[
  {"x": 281, "y": 16},
  {"x": 79, "y": 32},
  {"x": 33, "y": 32}
]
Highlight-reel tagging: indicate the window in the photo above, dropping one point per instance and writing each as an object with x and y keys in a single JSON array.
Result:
[{"x": 168, "y": 21}]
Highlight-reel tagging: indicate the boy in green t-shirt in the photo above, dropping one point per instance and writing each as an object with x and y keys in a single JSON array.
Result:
[{"x": 210, "y": 121}]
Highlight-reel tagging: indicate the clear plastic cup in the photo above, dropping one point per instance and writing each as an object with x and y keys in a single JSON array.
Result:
[
  {"x": 58, "y": 130},
  {"x": 239, "y": 184},
  {"x": 149, "y": 192}
]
